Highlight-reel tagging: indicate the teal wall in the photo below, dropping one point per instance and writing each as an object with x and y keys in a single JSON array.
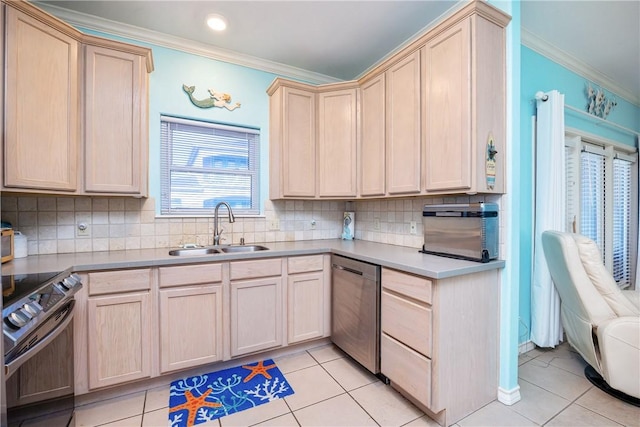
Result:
[
  {"x": 509, "y": 281},
  {"x": 174, "y": 68},
  {"x": 245, "y": 85},
  {"x": 539, "y": 73}
]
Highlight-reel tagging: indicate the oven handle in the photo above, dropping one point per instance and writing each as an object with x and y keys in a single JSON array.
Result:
[{"x": 11, "y": 367}]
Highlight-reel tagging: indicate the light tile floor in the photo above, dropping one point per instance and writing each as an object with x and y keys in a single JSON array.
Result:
[{"x": 332, "y": 390}]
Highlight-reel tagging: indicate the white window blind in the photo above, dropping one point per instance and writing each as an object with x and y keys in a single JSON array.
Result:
[
  {"x": 600, "y": 195},
  {"x": 572, "y": 170},
  {"x": 205, "y": 163},
  {"x": 622, "y": 169},
  {"x": 592, "y": 197}
]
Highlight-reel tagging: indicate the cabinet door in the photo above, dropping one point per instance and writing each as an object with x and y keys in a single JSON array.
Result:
[
  {"x": 119, "y": 337},
  {"x": 372, "y": 140},
  {"x": 403, "y": 126},
  {"x": 306, "y": 306},
  {"x": 337, "y": 143},
  {"x": 447, "y": 71},
  {"x": 116, "y": 124},
  {"x": 190, "y": 327},
  {"x": 298, "y": 166},
  {"x": 41, "y": 127},
  {"x": 256, "y": 315}
]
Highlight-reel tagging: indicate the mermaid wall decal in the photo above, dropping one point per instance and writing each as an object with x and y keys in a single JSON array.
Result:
[{"x": 215, "y": 99}]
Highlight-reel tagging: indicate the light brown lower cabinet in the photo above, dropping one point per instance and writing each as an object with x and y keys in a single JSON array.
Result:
[
  {"x": 141, "y": 323},
  {"x": 256, "y": 305},
  {"x": 308, "y": 284},
  {"x": 119, "y": 339},
  {"x": 119, "y": 327},
  {"x": 191, "y": 325},
  {"x": 439, "y": 343}
]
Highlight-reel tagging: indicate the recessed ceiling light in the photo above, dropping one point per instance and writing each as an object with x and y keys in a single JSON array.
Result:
[{"x": 216, "y": 22}]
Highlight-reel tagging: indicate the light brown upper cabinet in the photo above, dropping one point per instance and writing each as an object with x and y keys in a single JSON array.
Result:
[
  {"x": 464, "y": 107},
  {"x": 337, "y": 129},
  {"x": 41, "y": 115},
  {"x": 372, "y": 159},
  {"x": 403, "y": 126},
  {"x": 424, "y": 119},
  {"x": 116, "y": 125},
  {"x": 48, "y": 65},
  {"x": 312, "y": 140},
  {"x": 292, "y": 141}
]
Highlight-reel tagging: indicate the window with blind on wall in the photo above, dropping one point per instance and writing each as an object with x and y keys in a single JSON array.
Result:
[
  {"x": 601, "y": 196},
  {"x": 203, "y": 164}
]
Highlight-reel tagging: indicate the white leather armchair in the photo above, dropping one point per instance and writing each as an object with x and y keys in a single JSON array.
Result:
[{"x": 601, "y": 321}]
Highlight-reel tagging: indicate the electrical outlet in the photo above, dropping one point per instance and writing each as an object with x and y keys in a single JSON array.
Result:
[
  {"x": 83, "y": 230},
  {"x": 313, "y": 224},
  {"x": 274, "y": 224},
  {"x": 413, "y": 227},
  {"x": 376, "y": 224}
]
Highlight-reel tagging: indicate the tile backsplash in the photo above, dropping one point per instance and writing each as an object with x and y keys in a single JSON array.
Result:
[{"x": 51, "y": 223}]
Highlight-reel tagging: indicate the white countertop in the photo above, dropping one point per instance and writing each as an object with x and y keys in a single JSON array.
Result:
[{"x": 398, "y": 257}]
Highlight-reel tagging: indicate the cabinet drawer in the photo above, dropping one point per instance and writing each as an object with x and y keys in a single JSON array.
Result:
[
  {"x": 259, "y": 268},
  {"x": 190, "y": 274},
  {"x": 407, "y": 322},
  {"x": 409, "y": 370},
  {"x": 112, "y": 282},
  {"x": 303, "y": 264},
  {"x": 415, "y": 287}
]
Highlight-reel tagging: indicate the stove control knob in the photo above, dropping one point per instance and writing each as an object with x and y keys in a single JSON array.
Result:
[
  {"x": 18, "y": 319},
  {"x": 32, "y": 308},
  {"x": 25, "y": 313},
  {"x": 70, "y": 282}
]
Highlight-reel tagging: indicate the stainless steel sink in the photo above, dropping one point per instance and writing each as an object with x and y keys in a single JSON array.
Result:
[
  {"x": 216, "y": 250},
  {"x": 243, "y": 248},
  {"x": 194, "y": 251}
]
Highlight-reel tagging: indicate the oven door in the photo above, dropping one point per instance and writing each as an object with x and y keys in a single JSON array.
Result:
[{"x": 39, "y": 373}]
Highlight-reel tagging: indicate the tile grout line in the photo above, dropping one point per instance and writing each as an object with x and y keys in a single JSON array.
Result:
[{"x": 347, "y": 392}]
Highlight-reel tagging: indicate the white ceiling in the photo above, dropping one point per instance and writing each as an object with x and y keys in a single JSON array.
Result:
[
  {"x": 339, "y": 40},
  {"x": 602, "y": 37}
]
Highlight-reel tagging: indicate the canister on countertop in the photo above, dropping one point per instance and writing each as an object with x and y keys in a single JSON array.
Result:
[
  {"x": 20, "y": 245},
  {"x": 348, "y": 226}
]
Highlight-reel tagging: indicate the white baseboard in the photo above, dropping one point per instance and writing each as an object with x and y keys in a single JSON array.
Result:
[
  {"x": 509, "y": 397},
  {"x": 526, "y": 346}
]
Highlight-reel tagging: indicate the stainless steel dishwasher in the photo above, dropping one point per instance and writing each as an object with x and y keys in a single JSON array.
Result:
[{"x": 355, "y": 310}]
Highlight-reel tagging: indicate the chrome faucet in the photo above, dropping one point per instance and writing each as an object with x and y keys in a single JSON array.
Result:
[{"x": 217, "y": 231}]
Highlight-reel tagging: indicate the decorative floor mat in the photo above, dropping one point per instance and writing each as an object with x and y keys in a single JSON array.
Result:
[{"x": 195, "y": 400}]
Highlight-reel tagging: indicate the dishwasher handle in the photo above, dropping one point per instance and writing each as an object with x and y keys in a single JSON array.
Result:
[{"x": 347, "y": 269}]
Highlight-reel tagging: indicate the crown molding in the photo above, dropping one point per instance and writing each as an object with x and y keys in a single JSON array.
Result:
[
  {"x": 561, "y": 57},
  {"x": 94, "y": 23}
]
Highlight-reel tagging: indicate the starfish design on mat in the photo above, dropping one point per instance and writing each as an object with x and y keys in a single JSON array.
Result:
[
  {"x": 194, "y": 403},
  {"x": 258, "y": 369}
]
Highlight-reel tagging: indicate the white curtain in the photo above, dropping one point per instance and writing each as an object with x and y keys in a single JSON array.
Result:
[{"x": 550, "y": 207}]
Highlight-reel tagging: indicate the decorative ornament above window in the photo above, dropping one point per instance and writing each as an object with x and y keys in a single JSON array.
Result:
[
  {"x": 597, "y": 102},
  {"x": 216, "y": 99}
]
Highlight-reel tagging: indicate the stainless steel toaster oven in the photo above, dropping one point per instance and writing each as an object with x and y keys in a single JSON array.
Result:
[{"x": 465, "y": 231}]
